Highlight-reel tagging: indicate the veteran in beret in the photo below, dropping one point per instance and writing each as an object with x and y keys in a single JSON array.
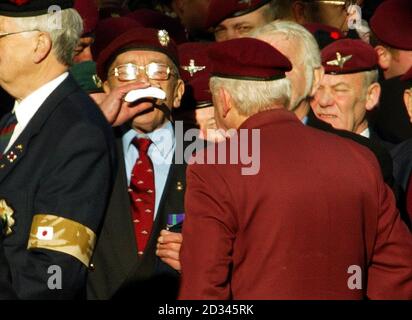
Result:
[
  {"x": 233, "y": 19},
  {"x": 57, "y": 155},
  {"x": 136, "y": 257},
  {"x": 300, "y": 47},
  {"x": 349, "y": 88},
  {"x": 297, "y": 227},
  {"x": 197, "y": 105},
  {"x": 391, "y": 26}
]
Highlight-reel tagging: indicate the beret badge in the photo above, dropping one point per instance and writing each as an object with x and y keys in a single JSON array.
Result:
[
  {"x": 192, "y": 68},
  {"x": 339, "y": 61},
  {"x": 6, "y": 218},
  {"x": 164, "y": 38}
]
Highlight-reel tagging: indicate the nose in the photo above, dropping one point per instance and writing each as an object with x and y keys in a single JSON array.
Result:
[
  {"x": 142, "y": 77},
  {"x": 324, "y": 98}
]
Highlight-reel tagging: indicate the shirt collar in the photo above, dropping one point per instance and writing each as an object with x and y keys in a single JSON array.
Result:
[
  {"x": 366, "y": 133},
  {"x": 26, "y": 108},
  {"x": 162, "y": 138}
]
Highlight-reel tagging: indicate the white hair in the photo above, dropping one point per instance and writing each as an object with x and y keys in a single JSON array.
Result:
[
  {"x": 309, "y": 52},
  {"x": 64, "y": 27},
  {"x": 251, "y": 97}
]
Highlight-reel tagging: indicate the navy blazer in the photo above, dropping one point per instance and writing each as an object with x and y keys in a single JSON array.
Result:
[
  {"x": 62, "y": 164},
  {"x": 118, "y": 272}
]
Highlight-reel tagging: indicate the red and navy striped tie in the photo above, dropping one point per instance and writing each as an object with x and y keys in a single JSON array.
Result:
[{"x": 7, "y": 125}]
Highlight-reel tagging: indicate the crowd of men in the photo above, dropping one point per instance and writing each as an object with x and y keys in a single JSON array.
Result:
[{"x": 206, "y": 149}]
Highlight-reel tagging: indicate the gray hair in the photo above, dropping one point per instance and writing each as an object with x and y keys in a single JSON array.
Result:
[
  {"x": 309, "y": 50},
  {"x": 251, "y": 97},
  {"x": 64, "y": 27},
  {"x": 369, "y": 78}
]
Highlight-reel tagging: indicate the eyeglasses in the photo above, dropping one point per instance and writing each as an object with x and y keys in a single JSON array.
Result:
[
  {"x": 346, "y": 4},
  {"x": 5, "y": 34},
  {"x": 153, "y": 70}
]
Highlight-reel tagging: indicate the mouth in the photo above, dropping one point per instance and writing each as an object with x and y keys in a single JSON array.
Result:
[{"x": 326, "y": 116}]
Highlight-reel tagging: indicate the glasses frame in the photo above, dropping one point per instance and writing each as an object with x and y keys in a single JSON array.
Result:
[{"x": 115, "y": 71}]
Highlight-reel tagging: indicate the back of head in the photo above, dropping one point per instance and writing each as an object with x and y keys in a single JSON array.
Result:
[
  {"x": 252, "y": 72},
  {"x": 303, "y": 43}
]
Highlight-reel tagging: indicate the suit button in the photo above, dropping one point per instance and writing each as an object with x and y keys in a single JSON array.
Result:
[{"x": 92, "y": 267}]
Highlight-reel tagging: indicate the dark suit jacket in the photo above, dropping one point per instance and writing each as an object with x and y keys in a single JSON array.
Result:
[
  {"x": 390, "y": 119},
  {"x": 63, "y": 166},
  {"x": 317, "y": 206},
  {"x": 118, "y": 271},
  {"x": 381, "y": 153}
]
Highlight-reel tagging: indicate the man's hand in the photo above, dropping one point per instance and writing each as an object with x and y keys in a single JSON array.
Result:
[
  {"x": 168, "y": 248},
  {"x": 116, "y": 110}
]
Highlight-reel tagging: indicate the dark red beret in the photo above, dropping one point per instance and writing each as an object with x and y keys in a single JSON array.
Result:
[
  {"x": 407, "y": 76},
  {"x": 30, "y": 8},
  {"x": 154, "y": 19},
  {"x": 195, "y": 72},
  {"x": 247, "y": 59},
  {"x": 349, "y": 56},
  {"x": 392, "y": 23},
  {"x": 89, "y": 12},
  {"x": 108, "y": 29},
  {"x": 220, "y": 10},
  {"x": 137, "y": 39}
]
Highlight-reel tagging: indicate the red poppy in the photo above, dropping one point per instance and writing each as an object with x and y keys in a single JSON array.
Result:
[{"x": 19, "y": 2}]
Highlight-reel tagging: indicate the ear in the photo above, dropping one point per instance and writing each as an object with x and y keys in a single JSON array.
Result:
[
  {"x": 43, "y": 47},
  {"x": 318, "y": 74},
  {"x": 299, "y": 12},
  {"x": 227, "y": 102},
  {"x": 384, "y": 57},
  {"x": 372, "y": 96},
  {"x": 178, "y": 93},
  {"x": 407, "y": 98},
  {"x": 106, "y": 87}
]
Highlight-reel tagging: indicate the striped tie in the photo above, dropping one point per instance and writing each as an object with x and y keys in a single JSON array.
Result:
[{"x": 7, "y": 125}]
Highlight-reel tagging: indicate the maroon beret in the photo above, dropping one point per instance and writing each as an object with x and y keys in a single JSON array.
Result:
[
  {"x": 30, "y": 8},
  {"x": 137, "y": 39},
  {"x": 247, "y": 59},
  {"x": 154, "y": 19},
  {"x": 89, "y": 13},
  {"x": 349, "y": 56},
  {"x": 109, "y": 29},
  {"x": 195, "y": 72},
  {"x": 392, "y": 23},
  {"x": 407, "y": 76},
  {"x": 220, "y": 10}
]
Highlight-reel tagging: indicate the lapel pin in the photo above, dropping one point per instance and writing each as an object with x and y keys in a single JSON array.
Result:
[{"x": 179, "y": 186}]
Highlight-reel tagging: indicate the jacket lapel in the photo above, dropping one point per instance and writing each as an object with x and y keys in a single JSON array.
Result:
[
  {"x": 17, "y": 151},
  {"x": 118, "y": 225}
]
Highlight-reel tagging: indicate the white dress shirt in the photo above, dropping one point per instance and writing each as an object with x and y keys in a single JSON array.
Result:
[
  {"x": 27, "y": 108},
  {"x": 366, "y": 133},
  {"x": 161, "y": 153}
]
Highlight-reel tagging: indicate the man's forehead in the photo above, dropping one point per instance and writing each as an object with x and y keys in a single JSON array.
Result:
[
  {"x": 146, "y": 55},
  {"x": 350, "y": 80}
]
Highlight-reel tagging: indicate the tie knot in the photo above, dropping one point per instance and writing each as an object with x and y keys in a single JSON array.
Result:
[{"x": 142, "y": 144}]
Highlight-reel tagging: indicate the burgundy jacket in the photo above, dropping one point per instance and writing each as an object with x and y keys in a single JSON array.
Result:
[{"x": 317, "y": 208}]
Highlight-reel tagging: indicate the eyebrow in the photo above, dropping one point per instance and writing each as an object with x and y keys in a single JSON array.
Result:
[{"x": 341, "y": 84}]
